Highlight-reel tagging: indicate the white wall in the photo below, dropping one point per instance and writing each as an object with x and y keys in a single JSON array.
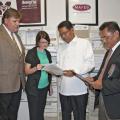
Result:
[
  {"x": 109, "y": 10},
  {"x": 56, "y": 11}
]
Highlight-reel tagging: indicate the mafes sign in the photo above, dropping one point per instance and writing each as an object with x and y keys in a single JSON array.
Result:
[{"x": 81, "y": 7}]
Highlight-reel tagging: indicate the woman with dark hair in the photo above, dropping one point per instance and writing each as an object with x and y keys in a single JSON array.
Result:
[{"x": 38, "y": 81}]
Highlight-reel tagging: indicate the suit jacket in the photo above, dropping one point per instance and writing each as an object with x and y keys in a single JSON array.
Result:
[
  {"x": 11, "y": 64},
  {"x": 111, "y": 85}
]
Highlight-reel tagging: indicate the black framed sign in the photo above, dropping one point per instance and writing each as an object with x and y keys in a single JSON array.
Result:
[
  {"x": 33, "y": 11},
  {"x": 84, "y": 12}
]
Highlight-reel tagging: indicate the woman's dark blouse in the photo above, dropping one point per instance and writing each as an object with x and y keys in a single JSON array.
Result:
[{"x": 33, "y": 79}]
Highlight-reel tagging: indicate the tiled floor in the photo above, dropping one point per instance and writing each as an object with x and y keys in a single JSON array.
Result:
[
  {"x": 51, "y": 114},
  {"x": 24, "y": 114},
  {"x": 92, "y": 116}
]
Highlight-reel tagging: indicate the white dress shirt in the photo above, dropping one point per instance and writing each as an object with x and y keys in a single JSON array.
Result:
[
  {"x": 116, "y": 45},
  {"x": 78, "y": 56}
]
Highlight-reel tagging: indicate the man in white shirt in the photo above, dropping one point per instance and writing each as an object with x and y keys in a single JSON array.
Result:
[{"x": 74, "y": 54}]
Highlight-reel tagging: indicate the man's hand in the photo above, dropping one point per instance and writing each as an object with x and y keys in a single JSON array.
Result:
[
  {"x": 69, "y": 73},
  {"x": 97, "y": 84},
  {"x": 89, "y": 79}
]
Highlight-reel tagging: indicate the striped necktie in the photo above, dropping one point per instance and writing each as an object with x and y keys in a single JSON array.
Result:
[{"x": 105, "y": 65}]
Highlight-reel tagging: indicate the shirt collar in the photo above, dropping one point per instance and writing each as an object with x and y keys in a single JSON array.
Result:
[
  {"x": 73, "y": 40},
  {"x": 116, "y": 45},
  {"x": 8, "y": 31}
]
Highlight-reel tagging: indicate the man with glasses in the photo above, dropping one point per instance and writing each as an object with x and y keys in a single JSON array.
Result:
[
  {"x": 75, "y": 54},
  {"x": 107, "y": 82}
]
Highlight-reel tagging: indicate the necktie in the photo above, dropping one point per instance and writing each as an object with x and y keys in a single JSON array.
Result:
[
  {"x": 16, "y": 45},
  {"x": 105, "y": 65}
]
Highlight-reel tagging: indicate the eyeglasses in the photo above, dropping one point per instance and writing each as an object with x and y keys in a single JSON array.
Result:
[
  {"x": 106, "y": 37},
  {"x": 43, "y": 42}
]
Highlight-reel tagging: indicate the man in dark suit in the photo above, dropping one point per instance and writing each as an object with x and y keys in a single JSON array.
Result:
[
  {"x": 11, "y": 65},
  {"x": 107, "y": 82}
]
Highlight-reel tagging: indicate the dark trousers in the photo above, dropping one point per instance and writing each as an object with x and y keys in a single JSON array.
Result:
[
  {"x": 75, "y": 104},
  {"x": 36, "y": 104},
  {"x": 9, "y": 105},
  {"x": 102, "y": 114}
]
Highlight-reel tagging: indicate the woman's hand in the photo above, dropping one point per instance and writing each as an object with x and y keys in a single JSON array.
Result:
[
  {"x": 50, "y": 91},
  {"x": 39, "y": 66}
]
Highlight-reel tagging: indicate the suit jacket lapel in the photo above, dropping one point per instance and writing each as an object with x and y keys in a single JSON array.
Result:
[
  {"x": 113, "y": 57},
  {"x": 7, "y": 36},
  {"x": 9, "y": 40}
]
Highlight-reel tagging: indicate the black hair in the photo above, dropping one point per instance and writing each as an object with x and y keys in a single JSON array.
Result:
[
  {"x": 66, "y": 24},
  {"x": 111, "y": 26}
]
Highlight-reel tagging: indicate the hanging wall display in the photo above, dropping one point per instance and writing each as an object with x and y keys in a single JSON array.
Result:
[
  {"x": 82, "y": 11},
  {"x": 33, "y": 11}
]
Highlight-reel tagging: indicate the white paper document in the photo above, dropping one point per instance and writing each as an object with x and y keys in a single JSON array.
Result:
[
  {"x": 52, "y": 69},
  {"x": 81, "y": 77}
]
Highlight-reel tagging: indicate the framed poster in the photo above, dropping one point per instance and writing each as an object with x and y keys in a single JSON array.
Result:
[
  {"x": 33, "y": 11},
  {"x": 82, "y": 11}
]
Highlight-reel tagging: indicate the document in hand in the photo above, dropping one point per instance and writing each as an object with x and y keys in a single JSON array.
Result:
[
  {"x": 81, "y": 78},
  {"x": 53, "y": 69}
]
